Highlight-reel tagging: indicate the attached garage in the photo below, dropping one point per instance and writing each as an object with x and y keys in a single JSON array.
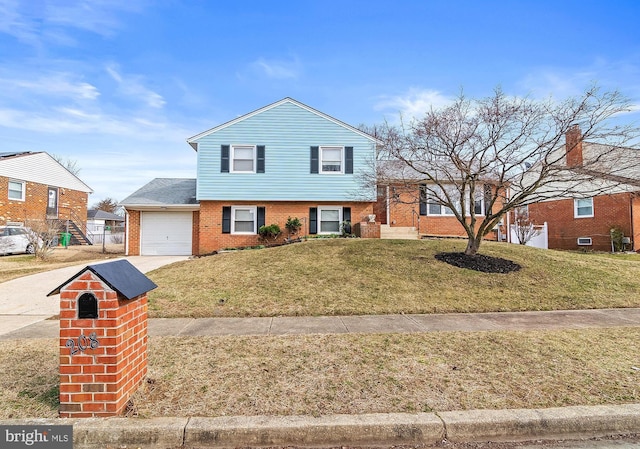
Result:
[{"x": 166, "y": 233}]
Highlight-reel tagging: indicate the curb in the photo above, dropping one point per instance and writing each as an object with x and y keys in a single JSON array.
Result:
[{"x": 351, "y": 430}]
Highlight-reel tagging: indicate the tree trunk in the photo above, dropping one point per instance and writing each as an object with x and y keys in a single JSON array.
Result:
[{"x": 473, "y": 244}]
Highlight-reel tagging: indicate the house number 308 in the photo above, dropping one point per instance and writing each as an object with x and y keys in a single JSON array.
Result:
[{"x": 82, "y": 343}]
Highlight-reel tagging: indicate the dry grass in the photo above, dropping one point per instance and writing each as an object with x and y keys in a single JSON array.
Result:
[
  {"x": 12, "y": 267},
  {"x": 346, "y": 277},
  {"x": 325, "y": 374}
]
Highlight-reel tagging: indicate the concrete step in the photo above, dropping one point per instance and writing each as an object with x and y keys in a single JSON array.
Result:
[{"x": 398, "y": 232}]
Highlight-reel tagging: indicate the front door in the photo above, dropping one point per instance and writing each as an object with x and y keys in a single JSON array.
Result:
[{"x": 52, "y": 203}]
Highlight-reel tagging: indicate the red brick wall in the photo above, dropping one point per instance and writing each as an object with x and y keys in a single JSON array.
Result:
[
  {"x": 403, "y": 212},
  {"x": 99, "y": 379},
  {"x": 212, "y": 239},
  {"x": 132, "y": 233},
  {"x": 34, "y": 207},
  {"x": 564, "y": 229}
]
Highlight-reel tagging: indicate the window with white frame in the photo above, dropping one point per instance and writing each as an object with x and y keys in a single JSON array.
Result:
[
  {"x": 583, "y": 207},
  {"x": 16, "y": 190},
  {"x": 243, "y": 220},
  {"x": 331, "y": 159},
  {"x": 329, "y": 219},
  {"x": 435, "y": 208},
  {"x": 243, "y": 158}
]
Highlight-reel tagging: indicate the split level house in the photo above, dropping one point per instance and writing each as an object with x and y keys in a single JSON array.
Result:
[
  {"x": 34, "y": 187},
  {"x": 609, "y": 198},
  {"x": 285, "y": 160}
]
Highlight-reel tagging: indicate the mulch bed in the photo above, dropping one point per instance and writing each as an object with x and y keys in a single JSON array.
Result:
[{"x": 479, "y": 262}]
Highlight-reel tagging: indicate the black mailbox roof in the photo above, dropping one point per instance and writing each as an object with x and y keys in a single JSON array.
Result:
[{"x": 119, "y": 275}]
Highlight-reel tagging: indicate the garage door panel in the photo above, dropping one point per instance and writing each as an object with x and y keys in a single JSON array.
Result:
[{"x": 166, "y": 233}]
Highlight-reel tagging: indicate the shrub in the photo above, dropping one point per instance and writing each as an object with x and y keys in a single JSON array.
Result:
[{"x": 271, "y": 231}]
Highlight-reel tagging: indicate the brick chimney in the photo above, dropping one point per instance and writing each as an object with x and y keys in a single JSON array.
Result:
[{"x": 574, "y": 146}]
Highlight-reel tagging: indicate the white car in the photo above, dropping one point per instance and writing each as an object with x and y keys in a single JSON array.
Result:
[{"x": 16, "y": 240}]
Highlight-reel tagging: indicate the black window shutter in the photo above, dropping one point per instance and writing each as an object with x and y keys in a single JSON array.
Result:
[
  {"x": 224, "y": 158},
  {"x": 314, "y": 159},
  {"x": 313, "y": 220},
  {"x": 226, "y": 219},
  {"x": 348, "y": 160},
  {"x": 261, "y": 217},
  {"x": 423, "y": 199},
  {"x": 346, "y": 217},
  {"x": 260, "y": 162}
]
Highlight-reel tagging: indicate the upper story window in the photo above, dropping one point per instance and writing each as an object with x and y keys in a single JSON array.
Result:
[
  {"x": 583, "y": 208},
  {"x": 17, "y": 190},
  {"x": 243, "y": 158},
  {"x": 331, "y": 159}
]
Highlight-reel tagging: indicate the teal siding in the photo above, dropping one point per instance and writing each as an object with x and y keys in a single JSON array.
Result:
[{"x": 287, "y": 131}]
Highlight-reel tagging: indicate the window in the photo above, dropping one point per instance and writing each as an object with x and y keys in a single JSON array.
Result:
[
  {"x": 429, "y": 204},
  {"x": 329, "y": 220},
  {"x": 16, "y": 190},
  {"x": 243, "y": 220},
  {"x": 243, "y": 158},
  {"x": 331, "y": 159},
  {"x": 583, "y": 207},
  {"x": 585, "y": 241}
]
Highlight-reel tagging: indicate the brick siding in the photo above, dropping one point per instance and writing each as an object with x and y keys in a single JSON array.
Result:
[
  {"x": 34, "y": 206},
  {"x": 609, "y": 211},
  {"x": 212, "y": 239}
]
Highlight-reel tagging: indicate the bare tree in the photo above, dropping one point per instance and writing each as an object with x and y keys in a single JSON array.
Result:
[
  {"x": 107, "y": 205},
  {"x": 481, "y": 158},
  {"x": 68, "y": 163},
  {"x": 524, "y": 228},
  {"x": 42, "y": 236}
]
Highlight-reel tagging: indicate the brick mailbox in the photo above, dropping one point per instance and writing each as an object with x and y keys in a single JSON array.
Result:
[{"x": 103, "y": 338}]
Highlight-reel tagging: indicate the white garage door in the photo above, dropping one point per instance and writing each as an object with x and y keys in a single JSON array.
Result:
[{"x": 166, "y": 233}]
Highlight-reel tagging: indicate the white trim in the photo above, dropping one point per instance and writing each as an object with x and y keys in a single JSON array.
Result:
[
  {"x": 232, "y": 158},
  {"x": 191, "y": 140},
  {"x": 575, "y": 208},
  {"x": 342, "y": 161},
  {"x": 254, "y": 212},
  {"x": 328, "y": 208},
  {"x": 23, "y": 190}
]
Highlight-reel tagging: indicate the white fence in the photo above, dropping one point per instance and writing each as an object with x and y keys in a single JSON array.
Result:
[
  {"x": 106, "y": 236},
  {"x": 540, "y": 238}
]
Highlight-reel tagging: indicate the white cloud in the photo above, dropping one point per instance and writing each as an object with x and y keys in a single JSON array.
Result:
[
  {"x": 43, "y": 22},
  {"x": 132, "y": 86},
  {"x": 53, "y": 84},
  {"x": 414, "y": 103},
  {"x": 278, "y": 69}
]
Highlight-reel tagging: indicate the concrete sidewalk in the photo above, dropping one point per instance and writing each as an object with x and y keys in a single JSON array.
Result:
[{"x": 465, "y": 322}]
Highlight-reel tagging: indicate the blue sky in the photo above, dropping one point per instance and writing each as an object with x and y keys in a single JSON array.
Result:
[{"x": 119, "y": 85}]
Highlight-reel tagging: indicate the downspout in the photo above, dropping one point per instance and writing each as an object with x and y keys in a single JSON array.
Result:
[
  {"x": 633, "y": 246},
  {"x": 388, "y": 206},
  {"x": 126, "y": 234},
  {"x": 508, "y": 221}
]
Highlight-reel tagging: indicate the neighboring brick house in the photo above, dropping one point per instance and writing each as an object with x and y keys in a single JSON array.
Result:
[
  {"x": 283, "y": 160},
  {"x": 34, "y": 186},
  {"x": 585, "y": 221},
  {"x": 404, "y": 204}
]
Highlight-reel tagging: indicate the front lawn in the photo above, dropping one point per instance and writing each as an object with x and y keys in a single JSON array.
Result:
[
  {"x": 359, "y": 277},
  {"x": 354, "y": 373}
]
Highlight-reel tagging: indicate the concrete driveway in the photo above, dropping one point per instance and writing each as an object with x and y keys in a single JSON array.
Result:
[{"x": 24, "y": 301}]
